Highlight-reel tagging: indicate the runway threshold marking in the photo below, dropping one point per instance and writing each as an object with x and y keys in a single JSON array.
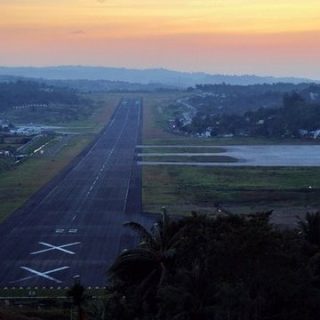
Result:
[
  {"x": 41, "y": 274},
  {"x": 53, "y": 247}
]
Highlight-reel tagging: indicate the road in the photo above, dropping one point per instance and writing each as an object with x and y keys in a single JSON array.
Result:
[{"x": 75, "y": 225}]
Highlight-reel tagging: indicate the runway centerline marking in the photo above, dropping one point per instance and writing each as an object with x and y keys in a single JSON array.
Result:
[
  {"x": 53, "y": 247},
  {"x": 41, "y": 274},
  {"x": 110, "y": 152}
]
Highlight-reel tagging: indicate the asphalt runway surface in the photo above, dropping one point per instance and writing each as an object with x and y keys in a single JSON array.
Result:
[
  {"x": 247, "y": 155},
  {"x": 74, "y": 226}
]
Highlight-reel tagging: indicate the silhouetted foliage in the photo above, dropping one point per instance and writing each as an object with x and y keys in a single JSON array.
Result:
[
  {"x": 77, "y": 293},
  {"x": 222, "y": 267},
  {"x": 29, "y": 92},
  {"x": 310, "y": 228}
]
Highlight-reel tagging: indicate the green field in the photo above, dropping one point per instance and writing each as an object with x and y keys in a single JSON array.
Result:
[
  {"x": 5, "y": 164},
  {"x": 183, "y": 189}
]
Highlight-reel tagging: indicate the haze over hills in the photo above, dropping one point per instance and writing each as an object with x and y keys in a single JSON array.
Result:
[{"x": 143, "y": 76}]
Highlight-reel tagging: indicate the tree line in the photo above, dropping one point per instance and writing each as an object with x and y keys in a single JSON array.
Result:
[
  {"x": 17, "y": 93},
  {"x": 296, "y": 117}
]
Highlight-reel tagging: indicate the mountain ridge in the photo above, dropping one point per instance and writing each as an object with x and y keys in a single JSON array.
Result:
[{"x": 143, "y": 76}]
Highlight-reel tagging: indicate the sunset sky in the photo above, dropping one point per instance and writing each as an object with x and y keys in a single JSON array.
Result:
[{"x": 275, "y": 37}]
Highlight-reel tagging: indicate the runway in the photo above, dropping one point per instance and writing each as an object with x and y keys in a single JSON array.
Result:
[
  {"x": 246, "y": 156},
  {"x": 75, "y": 225}
]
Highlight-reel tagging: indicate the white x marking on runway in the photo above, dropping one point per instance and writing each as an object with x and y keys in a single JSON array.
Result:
[
  {"x": 53, "y": 247},
  {"x": 41, "y": 274}
]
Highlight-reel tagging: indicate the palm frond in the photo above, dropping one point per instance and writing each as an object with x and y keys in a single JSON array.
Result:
[
  {"x": 310, "y": 228},
  {"x": 141, "y": 231},
  {"x": 165, "y": 219},
  {"x": 147, "y": 285},
  {"x": 177, "y": 238},
  {"x": 132, "y": 257}
]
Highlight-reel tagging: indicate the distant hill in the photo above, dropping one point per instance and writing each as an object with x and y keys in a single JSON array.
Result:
[
  {"x": 143, "y": 76},
  {"x": 84, "y": 85}
]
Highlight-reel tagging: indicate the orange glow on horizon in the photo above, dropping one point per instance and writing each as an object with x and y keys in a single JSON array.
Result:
[{"x": 79, "y": 29}]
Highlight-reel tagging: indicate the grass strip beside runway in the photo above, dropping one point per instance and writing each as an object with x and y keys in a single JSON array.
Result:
[{"x": 183, "y": 189}]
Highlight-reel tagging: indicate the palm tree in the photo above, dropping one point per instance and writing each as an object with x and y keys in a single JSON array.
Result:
[
  {"x": 192, "y": 295},
  {"x": 310, "y": 228},
  {"x": 147, "y": 265}
]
